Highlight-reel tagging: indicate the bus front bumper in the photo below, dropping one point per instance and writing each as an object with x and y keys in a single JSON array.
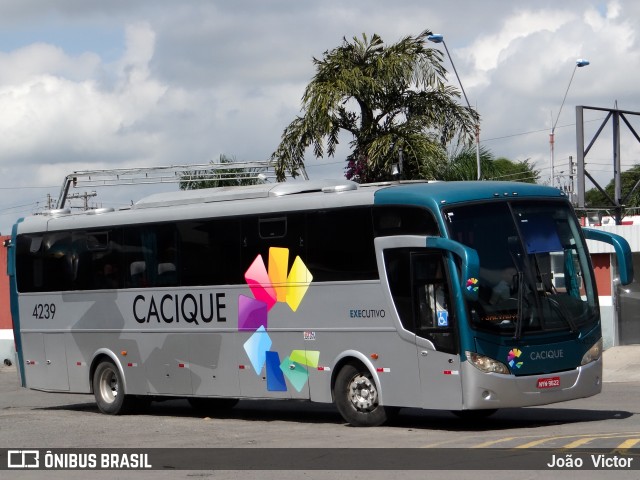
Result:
[{"x": 491, "y": 390}]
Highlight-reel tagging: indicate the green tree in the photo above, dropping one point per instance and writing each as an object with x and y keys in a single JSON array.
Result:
[
  {"x": 463, "y": 165},
  {"x": 510, "y": 171},
  {"x": 387, "y": 98},
  {"x": 220, "y": 177},
  {"x": 631, "y": 198}
]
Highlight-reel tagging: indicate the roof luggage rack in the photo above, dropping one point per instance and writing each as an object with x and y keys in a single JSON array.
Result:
[
  {"x": 222, "y": 194},
  {"x": 258, "y": 171}
]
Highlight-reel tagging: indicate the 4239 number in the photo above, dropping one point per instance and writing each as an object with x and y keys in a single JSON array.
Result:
[{"x": 44, "y": 311}]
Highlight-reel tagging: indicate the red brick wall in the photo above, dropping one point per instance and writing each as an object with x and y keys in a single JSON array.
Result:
[
  {"x": 602, "y": 268},
  {"x": 5, "y": 311}
]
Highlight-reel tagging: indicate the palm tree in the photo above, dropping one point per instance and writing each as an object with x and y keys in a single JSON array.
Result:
[
  {"x": 462, "y": 164},
  {"x": 220, "y": 177},
  {"x": 387, "y": 98}
]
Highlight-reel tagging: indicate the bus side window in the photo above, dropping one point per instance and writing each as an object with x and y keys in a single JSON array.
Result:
[
  {"x": 259, "y": 234},
  {"x": 98, "y": 259},
  {"x": 210, "y": 252},
  {"x": 59, "y": 262},
  {"x": 403, "y": 220},
  {"x": 340, "y": 245},
  {"x": 137, "y": 273},
  {"x": 29, "y": 268},
  {"x": 151, "y": 256}
]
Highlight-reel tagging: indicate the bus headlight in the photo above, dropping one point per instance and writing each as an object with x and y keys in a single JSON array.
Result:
[
  {"x": 486, "y": 364},
  {"x": 593, "y": 354}
]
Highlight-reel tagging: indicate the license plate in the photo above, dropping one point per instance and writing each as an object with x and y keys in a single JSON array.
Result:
[{"x": 550, "y": 382}]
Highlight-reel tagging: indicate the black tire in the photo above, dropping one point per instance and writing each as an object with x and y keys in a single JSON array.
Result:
[
  {"x": 108, "y": 389},
  {"x": 356, "y": 397},
  {"x": 204, "y": 404},
  {"x": 474, "y": 414}
]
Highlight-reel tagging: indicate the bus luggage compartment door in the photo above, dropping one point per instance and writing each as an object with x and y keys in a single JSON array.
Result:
[
  {"x": 46, "y": 361},
  {"x": 270, "y": 367}
]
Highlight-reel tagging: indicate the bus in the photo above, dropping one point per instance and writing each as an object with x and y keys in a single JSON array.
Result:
[{"x": 460, "y": 296}]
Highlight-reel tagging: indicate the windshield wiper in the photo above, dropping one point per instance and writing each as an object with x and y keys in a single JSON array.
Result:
[
  {"x": 547, "y": 289},
  {"x": 564, "y": 315}
]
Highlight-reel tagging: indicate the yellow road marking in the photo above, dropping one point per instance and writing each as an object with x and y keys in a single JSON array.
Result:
[
  {"x": 535, "y": 443},
  {"x": 579, "y": 442},
  {"x": 629, "y": 443},
  {"x": 580, "y": 438},
  {"x": 494, "y": 442}
]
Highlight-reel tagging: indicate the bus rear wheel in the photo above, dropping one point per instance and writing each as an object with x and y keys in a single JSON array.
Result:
[
  {"x": 108, "y": 389},
  {"x": 356, "y": 397}
]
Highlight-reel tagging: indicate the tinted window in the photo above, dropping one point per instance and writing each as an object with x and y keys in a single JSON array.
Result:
[
  {"x": 335, "y": 245},
  {"x": 29, "y": 262},
  {"x": 210, "y": 252},
  {"x": 150, "y": 256},
  {"x": 259, "y": 234},
  {"x": 420, "y": 291},
  {"x": 403, "y": 220},
  {"x": 340, "y": 245},
  {"x": 99, "y": 262}
]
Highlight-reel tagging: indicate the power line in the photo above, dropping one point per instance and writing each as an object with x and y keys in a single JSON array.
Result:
[
  {"x": 537, "y": 131},
  {"x": 20, "y": 206},
  {"x": 29, "y": 187}
]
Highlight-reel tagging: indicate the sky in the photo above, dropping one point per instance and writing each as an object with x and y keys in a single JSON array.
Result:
[{"x": 94, "y": 85}]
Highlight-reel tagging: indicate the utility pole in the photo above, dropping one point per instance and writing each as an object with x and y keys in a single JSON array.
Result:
[
  {"x": 85, "y": 197},
  {"x": 571, "y": 174}
]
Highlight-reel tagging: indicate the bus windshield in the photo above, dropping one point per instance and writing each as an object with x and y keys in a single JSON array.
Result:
[{"x": 534, "y": 270}]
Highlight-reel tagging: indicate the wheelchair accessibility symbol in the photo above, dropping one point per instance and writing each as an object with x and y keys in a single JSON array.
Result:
[{"x": 443, "y": 318}]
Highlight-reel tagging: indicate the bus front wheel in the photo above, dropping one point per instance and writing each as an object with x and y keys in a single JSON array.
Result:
[
  {"x": 108, "y": 389},
  {"x": 356, "y": 397}
]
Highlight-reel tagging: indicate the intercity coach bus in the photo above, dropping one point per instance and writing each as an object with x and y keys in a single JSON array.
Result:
[{"x": 464, "y": 296}]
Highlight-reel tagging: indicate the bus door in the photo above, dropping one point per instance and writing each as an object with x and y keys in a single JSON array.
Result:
[{"x": 435, "y": 329}]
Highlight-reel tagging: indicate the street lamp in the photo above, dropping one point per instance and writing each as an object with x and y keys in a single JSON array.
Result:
[
  {"x": 438, "y": 38},
  {"x": 581, "y": 62}
]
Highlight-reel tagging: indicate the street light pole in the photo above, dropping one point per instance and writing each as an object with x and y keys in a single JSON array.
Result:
[
  {"x": 438, "y": 38},
  {"x": 581, "y": 62}
]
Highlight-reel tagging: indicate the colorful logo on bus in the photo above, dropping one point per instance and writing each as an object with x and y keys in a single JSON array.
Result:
[
  {"x": 269, "y": 286},
  {"x": 472, "y": 284},
  {"x": 514, "y": 355}
]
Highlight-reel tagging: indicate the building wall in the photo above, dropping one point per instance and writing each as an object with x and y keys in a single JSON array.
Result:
[
  {"x": 602, "y": 269},
  {"x": 7, "y": 348},
  {"x": 628, "y": 308},
  {"x": 620, "y": 310}
]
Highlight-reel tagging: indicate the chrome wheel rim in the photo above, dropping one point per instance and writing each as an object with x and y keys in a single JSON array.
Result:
[
  {"x": 363, "y": 394},
  {"x": 109, "y": 385}
]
